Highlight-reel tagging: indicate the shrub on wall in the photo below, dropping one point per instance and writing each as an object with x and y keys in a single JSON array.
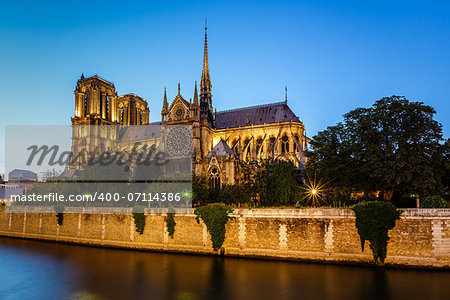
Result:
[
  {"x": 59, "y": 208},
  {"x": 433, "y": 202},
  {"x": 374, "y": 219},
  {"x": 59, "y": 218},
  {"x": 139, "y": 218},
  {"x": 170, "y": 221},
  {"x": 215, "y": 217}
]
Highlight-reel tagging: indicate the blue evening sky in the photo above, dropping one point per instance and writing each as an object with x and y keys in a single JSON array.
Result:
[{"x": 334, "y": 56}]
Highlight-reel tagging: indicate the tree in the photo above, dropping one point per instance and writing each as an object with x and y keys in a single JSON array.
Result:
[
  {"x": 233, "y": 194},
  {"x": 433, "y": 202},
  {"x": 331, "y": 162},
  {"x": 230, "y": 194},
  {"x": 446, "y": 170},
  {"x": 393, "y": 146},
  {"x": 276, "y": 182},
  {"x": 200, "y": 190}
]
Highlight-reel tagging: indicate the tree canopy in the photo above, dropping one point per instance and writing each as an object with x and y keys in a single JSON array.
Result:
[
  {"x": 272, "y": 183},
  {"x": 393, "y": 146},
  {"x": 276, "y": 182},
  {"x": 446, "y": 168}
]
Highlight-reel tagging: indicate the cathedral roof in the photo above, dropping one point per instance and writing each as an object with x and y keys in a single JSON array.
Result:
[
  {"x": 255, "y": 115},
  {"x": 221, "y": 149},
  {"x": 95, "y": 77},
  {"x": 132, "y": 95},
  {"x": 138, "y": 133}
]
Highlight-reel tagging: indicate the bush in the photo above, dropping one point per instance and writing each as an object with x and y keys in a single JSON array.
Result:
[
  {"x": 59, "y": 208},
  {"x": 215, "y": 217},
  {"x": 59, "y": 218},
  {"x": 232, "y": 194},
  {"x": 200, "y": 190},
  {"x": 374, "y": 220},
  {"x": 139, "y": 218},
  {"x": 433, "y": 202},
  {"x": 170, "y": 222}
]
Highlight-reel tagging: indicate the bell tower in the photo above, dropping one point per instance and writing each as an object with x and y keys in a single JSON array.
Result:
[{"x": 95, "y": 102}]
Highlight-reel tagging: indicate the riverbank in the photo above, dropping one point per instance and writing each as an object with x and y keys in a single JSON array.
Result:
[{"x": 420, "y": 239}]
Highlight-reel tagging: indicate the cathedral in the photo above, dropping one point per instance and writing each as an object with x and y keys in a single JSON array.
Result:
[{"x": 222, "y": 141}]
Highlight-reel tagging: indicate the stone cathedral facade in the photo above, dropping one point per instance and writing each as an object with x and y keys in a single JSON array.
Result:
[{"x": 222, "y": 140}]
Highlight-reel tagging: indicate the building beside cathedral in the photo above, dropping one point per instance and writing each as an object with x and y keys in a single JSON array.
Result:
[{"x": 221, "y": 141}]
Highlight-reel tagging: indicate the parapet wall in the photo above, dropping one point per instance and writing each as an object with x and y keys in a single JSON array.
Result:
[{"x": 421, "y": 238}]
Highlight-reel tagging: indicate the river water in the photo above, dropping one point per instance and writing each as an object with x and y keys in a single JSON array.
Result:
[{"x": 42, "y": 270}]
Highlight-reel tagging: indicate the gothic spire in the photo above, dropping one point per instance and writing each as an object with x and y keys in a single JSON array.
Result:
[
  {"x": 165, "y": 103},
  {"x": 206, "y": 81},
  {"x": 195, "y": 95},
  {"x": 206, "y": 110},
  {"x": 179, "y": 89},
  {"x": 285, "y": 95}
]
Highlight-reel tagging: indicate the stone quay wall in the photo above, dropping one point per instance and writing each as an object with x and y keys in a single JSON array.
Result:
[{"x": 420, "y": 239}]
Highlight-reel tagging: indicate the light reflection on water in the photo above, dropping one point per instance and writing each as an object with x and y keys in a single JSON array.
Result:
[{"x": 40, "y": 270}]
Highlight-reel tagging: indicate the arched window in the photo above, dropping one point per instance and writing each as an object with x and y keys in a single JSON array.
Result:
[
  {"x": 259, "y": 145},
  {"x": 214, "y": 178},
  {"x": 235, "y": 146},
  {"x": 101, "y": 104},
  {"x": 121, "y": 116},
  {"x": 85, "y": 103},
  {"x": 296, "y": 143},
  {"x": 107, "y": 107},
  {"x": 284, "y": 144},
  {"x": 271, "y": 151},
  {"x": 248, "y": 149}
]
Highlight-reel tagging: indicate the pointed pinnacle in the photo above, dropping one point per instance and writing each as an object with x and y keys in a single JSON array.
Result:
[
  {"x": 165, "y": 104},
  {"x": 205, "y": 81},
  {"x": 195, "y": 94}
]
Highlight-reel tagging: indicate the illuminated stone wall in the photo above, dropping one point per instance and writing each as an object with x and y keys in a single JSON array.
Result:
[{"x": 420, "y": 239}]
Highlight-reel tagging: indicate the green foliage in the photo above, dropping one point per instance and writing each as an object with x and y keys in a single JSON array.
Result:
[
  {"x": 59, "y": 218},
  {"x": 229, "y": 194},
  {"x": 393, "y": 146},
  {"x": 59, "y": 208},
  {"x": 373, "y": 220},
  {"x": 215, "y": 217},
  {"x": 446, "y": 170},
  {"x": 433, "y": 202},
  {"x": 139, "y": 218},
  {"x": 276, "y": 182},
  {"x": 170, "y": 222},
  {"x": 200, "y": 190}
]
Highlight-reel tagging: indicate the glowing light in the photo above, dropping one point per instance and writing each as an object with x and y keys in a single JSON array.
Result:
[{"x": 314, "y": 191}]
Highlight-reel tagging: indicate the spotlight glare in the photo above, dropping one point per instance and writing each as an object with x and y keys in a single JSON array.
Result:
[{"x": 313, "y": 190}]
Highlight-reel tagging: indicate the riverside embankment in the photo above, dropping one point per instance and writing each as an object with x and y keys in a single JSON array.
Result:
[{"x": 420, "y": 239}]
